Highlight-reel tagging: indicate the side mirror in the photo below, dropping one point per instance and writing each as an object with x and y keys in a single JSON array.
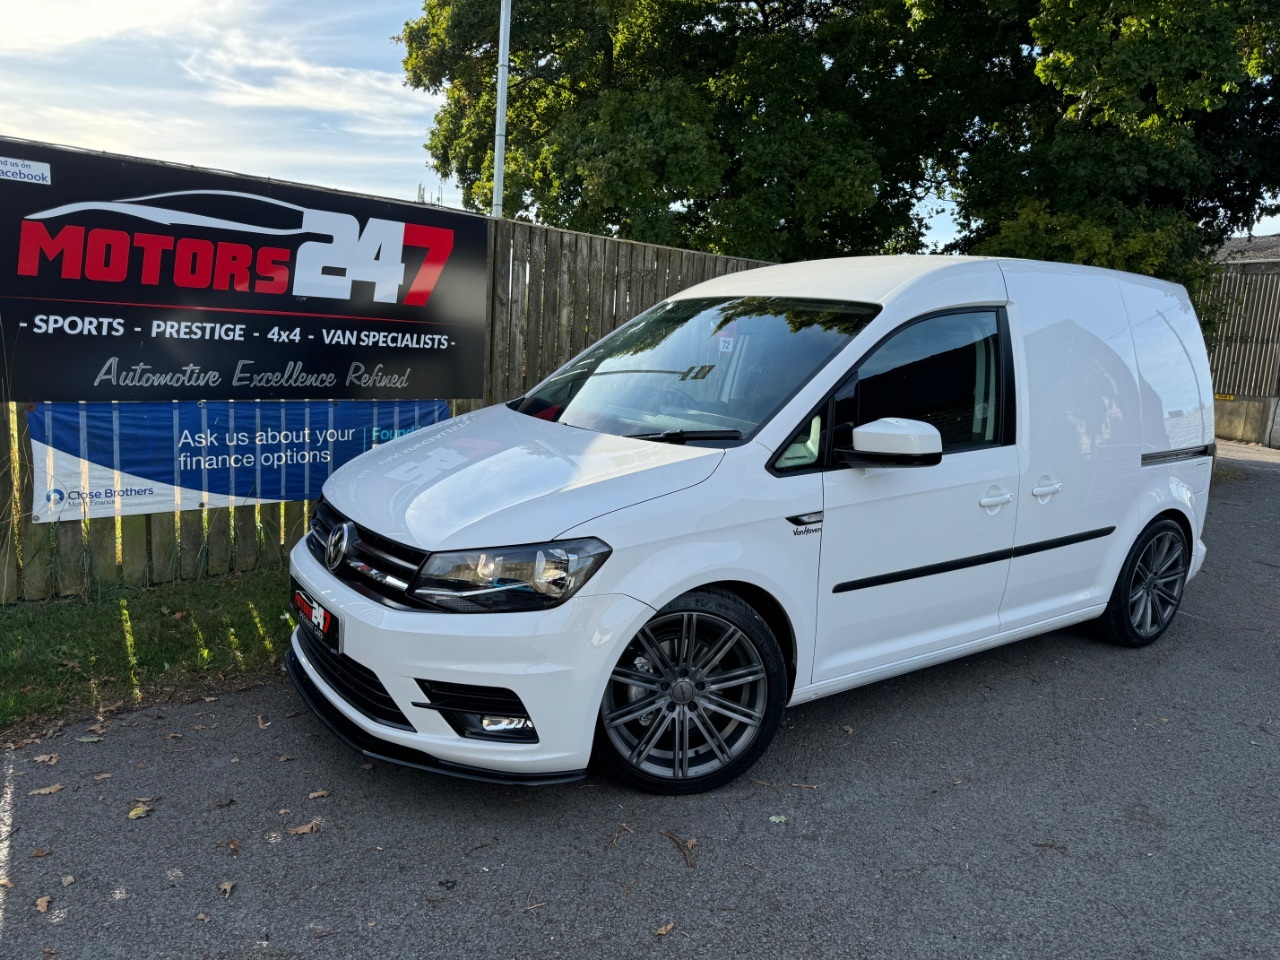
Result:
[{"x": 890, "y": 442}]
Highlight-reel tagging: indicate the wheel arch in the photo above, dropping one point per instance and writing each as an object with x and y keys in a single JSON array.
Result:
[
  {"x": 773, "y": 614},
  {"x": 1181, "y": 519}
]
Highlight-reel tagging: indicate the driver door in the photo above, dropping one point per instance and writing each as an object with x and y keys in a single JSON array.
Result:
[{"x": 914, "y": 560}]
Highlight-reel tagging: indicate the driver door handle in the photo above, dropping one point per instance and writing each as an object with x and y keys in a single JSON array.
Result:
[
  {"x": 996, "y": 500},
  {"x": 1046, "y": 490}
]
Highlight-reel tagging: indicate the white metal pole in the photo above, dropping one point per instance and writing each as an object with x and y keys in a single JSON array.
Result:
[{"x": 500, "y": 131}]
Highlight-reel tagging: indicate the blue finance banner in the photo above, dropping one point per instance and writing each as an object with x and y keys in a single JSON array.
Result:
[{"x": 109, "y": 459}]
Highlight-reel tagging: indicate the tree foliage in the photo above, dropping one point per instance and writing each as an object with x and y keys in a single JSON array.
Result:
[{"x": 1127, "y": 133}]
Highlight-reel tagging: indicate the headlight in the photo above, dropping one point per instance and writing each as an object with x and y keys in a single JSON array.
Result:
[{"x": 506, "y": 579}]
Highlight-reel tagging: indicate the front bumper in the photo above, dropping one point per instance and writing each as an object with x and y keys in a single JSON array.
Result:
[
  {"x": 556, "y": 661},
  {"x": 372, "y": 747}
]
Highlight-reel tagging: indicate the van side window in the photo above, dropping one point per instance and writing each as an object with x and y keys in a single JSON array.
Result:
[
  {"x": 944, "y": 370},
  {"x": 804, "y": 448}
]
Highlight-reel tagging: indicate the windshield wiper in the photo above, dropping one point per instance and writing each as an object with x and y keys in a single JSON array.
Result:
[{"x": 681, "y": 436}]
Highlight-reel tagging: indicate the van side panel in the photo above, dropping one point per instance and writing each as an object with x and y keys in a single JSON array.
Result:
[
  {"x": 1177, "y": 395},
  {"x": 1079, "y": 439}
]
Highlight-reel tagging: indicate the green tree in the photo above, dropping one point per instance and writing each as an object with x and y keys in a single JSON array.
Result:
[
  {"x": 778, "y": 130},
  {"x": 1145, "y": 142},
  {"x": 1128, "y": 133}
]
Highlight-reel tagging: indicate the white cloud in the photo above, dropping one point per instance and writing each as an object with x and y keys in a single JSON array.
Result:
[
  {"x": 311, "y": 93},
  {"x": 246, "y": 72},
  {"x": 45, "y": 28}
]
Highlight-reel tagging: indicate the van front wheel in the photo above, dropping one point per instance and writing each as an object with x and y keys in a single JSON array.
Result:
[
  {"x": 1149, "y": 589},
  {"x": 695, "y": 697}
]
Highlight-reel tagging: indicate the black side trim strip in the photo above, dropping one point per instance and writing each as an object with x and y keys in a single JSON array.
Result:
[
  {"x": 1029, "y": 548},
  {"x": 976, "y": 561},
  {"x": 929, "y": 571},
  {"x": 1173, "y": 456}
]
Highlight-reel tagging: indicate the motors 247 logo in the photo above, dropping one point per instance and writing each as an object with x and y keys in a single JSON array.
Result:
[{"x": 401, "y": 262}]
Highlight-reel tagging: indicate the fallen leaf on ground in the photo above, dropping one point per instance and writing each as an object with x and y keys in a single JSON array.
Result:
[
  {"x": 225, "y": 889},
  {"x": 180, "y": 614},
  {"x": 68, "y": 880},
  {"x": 6, "y": 882},
  {"x": 777, "y": 818},
  {"x": 848, "y": 729},
  {"x": 98, "y": 728},
  {"x": 293, "y": 713},
  {"x": 366, "y": 766},
  {"x": 88, "y": 738},
  {"x": 263, "y": 723},
  {"x": 305, "y": 828},
  {"x": 666, "y": 928},
  {"x": 139, "y": 811},
  {"x": 175, "y": 736},
  {"x": 285, "y": 811},
  {"x": 43, "y": 904},
  {"x": 49, "y": 758},
  {"x": 41, "y": 853},
  {"x": 198, "y": 726},
  {"x": 202, "y": 916},
  {"x": 45, "y": 791},
  {"x": 317, "y": 794},
  {"x": 804, "y": 786},
  {"x": 118, "y": 705},
  {"x": 209, "y": 699},
  {"x": 234, "y": 846},
  {"x": 285, "y": 758},
  {"x": 684, "y": 846},
  {"x": 102, "y": 776}
]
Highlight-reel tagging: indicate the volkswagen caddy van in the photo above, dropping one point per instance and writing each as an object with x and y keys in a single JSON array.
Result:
[{"x": 774, "y": 486}]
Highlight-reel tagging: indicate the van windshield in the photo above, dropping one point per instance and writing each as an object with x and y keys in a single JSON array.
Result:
[{"x": 706, "y": 368}]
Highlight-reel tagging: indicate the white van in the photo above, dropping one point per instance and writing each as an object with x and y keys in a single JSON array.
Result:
[{"x": 774, "y": 486}]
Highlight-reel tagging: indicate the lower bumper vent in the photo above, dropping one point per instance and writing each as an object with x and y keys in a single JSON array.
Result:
[{"x": 482, "y": 713}]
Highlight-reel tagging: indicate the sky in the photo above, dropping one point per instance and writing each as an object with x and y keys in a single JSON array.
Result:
[
  {"x": 311, "y": 92},
  {"x": 277, "y": 88}
]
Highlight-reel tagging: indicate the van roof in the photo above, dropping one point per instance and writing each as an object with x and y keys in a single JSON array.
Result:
[{"x": 863, "y": 279}]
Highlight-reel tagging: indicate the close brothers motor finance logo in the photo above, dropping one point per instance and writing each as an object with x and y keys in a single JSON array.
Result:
[{"x": 161, "y": 257}]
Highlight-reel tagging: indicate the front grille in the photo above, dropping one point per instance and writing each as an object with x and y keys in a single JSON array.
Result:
[
  {"x": 376, "y": 566},
  {"x": 463, "y": 705},
  {"x": 354, "y": 682}
]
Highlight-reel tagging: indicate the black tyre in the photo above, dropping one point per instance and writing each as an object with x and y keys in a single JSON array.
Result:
[
  {"x": 1149, "y": 589},
  {"x": 694, "y": 699}
]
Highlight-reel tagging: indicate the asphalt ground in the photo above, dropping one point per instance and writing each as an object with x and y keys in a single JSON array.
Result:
[{"x": 1053, "y": 798}]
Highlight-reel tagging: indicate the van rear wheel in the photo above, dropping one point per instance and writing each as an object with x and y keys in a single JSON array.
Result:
[
  {"x": 1149, "y": 589},
  {"x": 695, "y": 697}
]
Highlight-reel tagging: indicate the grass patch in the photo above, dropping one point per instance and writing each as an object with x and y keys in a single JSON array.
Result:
[
  {"x": 136, "y": 643},
  {"x": 1224, "y": 474}
]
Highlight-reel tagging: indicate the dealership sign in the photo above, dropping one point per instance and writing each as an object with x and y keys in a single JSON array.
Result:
[
  {"x": 107, "y": 459},
  {"x": 125, "y": 279}
]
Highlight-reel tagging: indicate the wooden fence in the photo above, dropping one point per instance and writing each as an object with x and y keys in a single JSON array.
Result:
[
  {"x": 1245, "y": 353},
  {"x": 551, "y": 293}
]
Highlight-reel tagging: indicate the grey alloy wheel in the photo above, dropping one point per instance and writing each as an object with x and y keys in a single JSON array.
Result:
[
  {"x": 694, "y": 698},
  {"x": 1149, "y": 590}
]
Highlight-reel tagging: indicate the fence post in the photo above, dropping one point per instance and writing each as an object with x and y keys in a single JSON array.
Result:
[
  {"x": 246, "y": 536},
  {"x": 36, "y": 538},
  {"x": 164, "y": 547},
  {"x": 72, "y": 557},
  {"x": 8, "y": 525}
]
